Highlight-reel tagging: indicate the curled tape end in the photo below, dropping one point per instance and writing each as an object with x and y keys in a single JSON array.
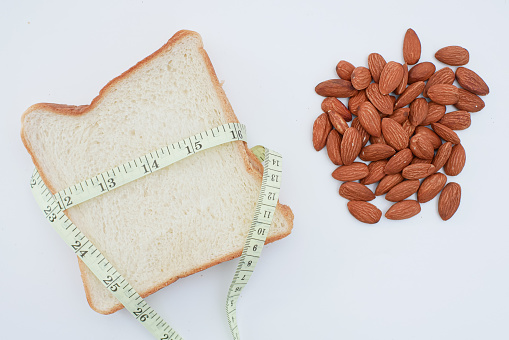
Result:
[{"x": 259, "y": 152}]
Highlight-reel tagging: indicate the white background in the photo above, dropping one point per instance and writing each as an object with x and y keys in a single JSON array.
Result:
[{"x": 334, "y": 277}]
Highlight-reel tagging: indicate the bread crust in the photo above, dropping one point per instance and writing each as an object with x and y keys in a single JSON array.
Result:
[{"x": 251, "y": 163}]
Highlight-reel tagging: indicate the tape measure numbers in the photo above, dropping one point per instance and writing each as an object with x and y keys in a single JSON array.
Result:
[{"x": 53, "y": 207}]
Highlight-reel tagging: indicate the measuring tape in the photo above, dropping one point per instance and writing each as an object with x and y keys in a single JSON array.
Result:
[{"x": 54, "y": 206}]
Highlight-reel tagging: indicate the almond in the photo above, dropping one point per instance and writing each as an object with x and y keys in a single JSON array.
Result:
[
  {"x": 453, "y": 55},
  {"x": 444, "y": 94},
  {"x": 377, "y": 140},
  {"x": 417, "y": 160},
  {"x": 333, "y": 147},
  {"x": 399, "y": 161},
  {"x": 381, "y": 102},
  {"x": 400, "y": 115},
  {"x": 364, "y": 211},
  {"x": 355, "y": 102},
  {"x": 338, "y": 122},
  {"x": 403, "y": 210},
  {"x": 376, "y": 152},
  {"x": 321, "y": 129},
  {"x": 446, "y": 133},
  {"x": 376, "y": 172},
  {"x": 456, "y": 161},
  {"x": 469, "y": 101},
  {"x": 364, "y": 134},
  {"x": 354, "y": 191},
  {"x": 430, "y": 187},
  {"x": 370, "y": 119},
  {"x": 435, "y": 140},
  {"x": 411, "y": 92},
  {"x": 344, "y": 69},
  {"x": 418, "y": 171},
  {"x": 336, "y": 88},
  {"x": 449, "y": 200},
  {"x": 421, "y": 147},
  {"x": 411, "y": 47},
  {"x": 402, "y": 190},
  {"x": 418, "y": 111},
  {"x": 404, "y": 81},
  {"x": 408, "y": 127},
  {"x": 387, "y": 183},
  {"x": 376, "y": 64},
  {"x": 442, "y": 76},
  {"x": 352, "y": 172},
  {"x": 456, "y": 120},
  {"x": 435, "y": 113},
  {"x": 361, "y": 77},
  {"x": 394, "y": 134},
  {"x": 422, "y": 71},
  {"x": 391, "y": 77},
  {"x": 333, "y": 104},
  {"x": 350, "y": 145},
  {"x": 443, "y": 154},
  {"x": 471, "y": 81}
]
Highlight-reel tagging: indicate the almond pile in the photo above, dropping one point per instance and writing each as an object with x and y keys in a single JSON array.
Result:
[{"x": 401, "y": 132}]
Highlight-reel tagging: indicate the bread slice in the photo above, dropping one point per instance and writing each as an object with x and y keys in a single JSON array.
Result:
[{"x": 177, "y": 221}]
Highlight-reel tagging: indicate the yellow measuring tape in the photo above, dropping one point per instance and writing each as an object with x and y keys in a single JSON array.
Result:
[{"x": 53, "y": 207}]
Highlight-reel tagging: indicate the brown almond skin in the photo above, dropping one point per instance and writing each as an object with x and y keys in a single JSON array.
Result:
[
  {"x": 399, "y": 161},
  {"x": 370, "y": 119},
  {"x": 408, "y": 127},
  {"x": 376, "y": 152},
  {"x": 418, "y": 111},
  {"x": 344, "y": 69},
  {"x": 422, "y": 71},
  {"x": 404, "y": 81},
  {"x": 333, "y": 104},
  {"x": 453, "y": 55},
  {"x": 321, "y": 129},
  {"x": 456, "y": 120},
  {"x": 361, "y": 78},
  {"x": 430, "y": 187},
  {"x": 376, "y": 172},
  {"x": 333, "y": 147},
  {"x": 421, "y": 147},
  {"x": 394, "y": 134},
  {"x": 456, "y": 161},
  {"x": 391, "y": 77},
  {"x": 471, "y": 81},
  {"x": 377, "y": 140},
  {"x": 403, "y": 190},
  {"x": 435, "y": 113},
  {"x": 376, "y": 64},
  {"x": 364, "y": 134},
  {"x": 387, "y": 183},
  {"x": 338, "y": 88},
  {"x": 352, "y": 172},
  {"x": 411, "y": 92},
  {"x": 418, "y": 160},
  {"x": 449, "y": 200},
  {"x": 355, "y": 102},
  {"x": 446, "y": 133},
  {"x": 403, "y": 210},
  {"x": 400, "y": 115},
  {"x": 338, "y": 122},
  {"x": 469, "y": 101},
  {"x": 351, "y": 145},
  {"x": 411, "y": 47},
  {"x": 354, "y": 191},
  {"x": 418, "y": 171},
  {"x": 382, "y": 103},
  {"x": 364, "y": 212},
  {"x": 442, "y": 76},
  {"x": 444, "y": 94},
  {"x": 443, "y": 154},
  {"x": 435, "y": 140}
]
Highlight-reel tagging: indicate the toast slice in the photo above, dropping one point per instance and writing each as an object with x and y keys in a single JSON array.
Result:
[{"x": 177, "y": 221}]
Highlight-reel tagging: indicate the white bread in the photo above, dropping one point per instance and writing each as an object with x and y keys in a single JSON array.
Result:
[{"x": 177, "y": 221}]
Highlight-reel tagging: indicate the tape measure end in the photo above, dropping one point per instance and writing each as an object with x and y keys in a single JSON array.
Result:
[{"x": 259, "y": 152}]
